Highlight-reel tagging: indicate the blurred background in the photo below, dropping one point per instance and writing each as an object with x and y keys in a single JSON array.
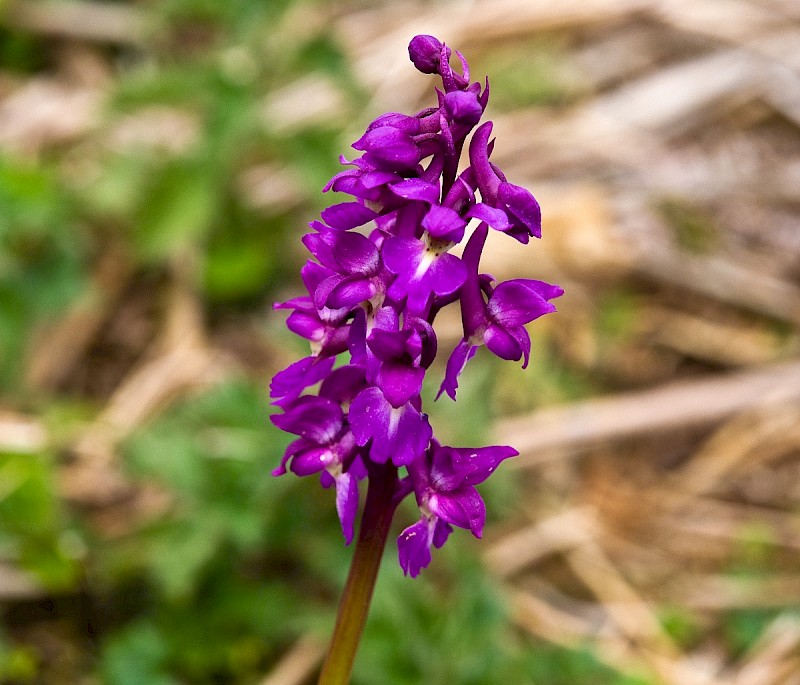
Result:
[{"x": 158, "y": 165}]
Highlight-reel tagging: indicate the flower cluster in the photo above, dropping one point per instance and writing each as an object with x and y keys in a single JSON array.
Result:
[{"x": 382, "y": 270}]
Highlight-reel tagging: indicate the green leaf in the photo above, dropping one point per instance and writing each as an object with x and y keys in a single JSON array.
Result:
[{"x": 178, "y": 209}]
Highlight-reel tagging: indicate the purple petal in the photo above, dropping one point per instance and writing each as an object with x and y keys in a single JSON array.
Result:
[
  {"x": 524, "y": 341},
  {"x": 412, "y": 437},
  {"x": 343, "y": 384},
  {"x": 399, "y": 382},
  {"x": 369, "y": 415},
  {"x": 306, "y": 325},
  {"x": 303, "y": 303},
  {"x": 502, "y": 343},
  {"x": 305, "y": 372},
  {"x": 313, "y": 274},
  {"x": 441, "y": 532},
  {"x": 474, "y": 465},
  {"x": 312, "y": 460},
  {"x": 347, "y": 503},
  {"x": 463, "y": 508},
  {"x": 426, "y": 335},
  {"x": 520, "y": 301},
  {"x": 292, "y": 448},
  {"x": 463, "y": 352},
  {"x": 353, "y": 252},
  {"x": 523, "y": 206},
  {"x": 375, "y": 179},
  {"x": 347, "y": 215},
  {"x": 321, "y": 249},
  {"x": 402, "y": 255},
  {"x": 356, "y": 343},
  {"x": 314, "y": 418},
  {"x": 403, "y": 122},
  {"x": 341, "y": 179},
  {"x": 463, "y": 107},
  {"x": 414, "y": 547},
  {"x": 416, "y": 189},
  {"x": 401, "y": 434},
  {"x": 351, "y": 291},
  {"x": 443, "y": 222},
  {"x": 387, "y": 345},
  {"x": 335, "y": 342},
  {"x": 487, "y": 179},
  {"x": 447, "y": 274},
  {"x": 425, "y": 52},
  {"x": 496, "y": 218},
  {"x": 380, "y": 137}
]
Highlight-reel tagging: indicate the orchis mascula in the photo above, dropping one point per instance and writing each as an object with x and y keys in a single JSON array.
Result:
[
  {"x": 375, "y": 296},
  {"x": 382, "y": 270}
]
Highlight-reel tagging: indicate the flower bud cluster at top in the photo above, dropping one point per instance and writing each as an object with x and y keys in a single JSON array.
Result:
[{"x": 374, "y": 295}]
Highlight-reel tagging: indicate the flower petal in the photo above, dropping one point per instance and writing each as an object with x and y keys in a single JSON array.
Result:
[
  {"x": 289, "y": 383},
  {"x": 444, "y": 222},
  {"x": 496, "y": 218},
  {"x": 523, "y": 206},
  {"x": 351, "y": 291},
  {"x": 463, "y": 508},
  {"x": 446, "y": 274},
  {"x": 398, "y": 433},
  {"x": 462, "y": 353},
  {"x": 312, "y": 460},
  {"x": 399, "y": 382},
  {"x": 520, "y": 301},
  {"x": 306, "y": 325},
  {"x": 475, "y": 465},
  {"x": 354, "y": 253},
  {"x": 343, "y": 384},
  {"x": 416, "y": 189},
  {"x": 463, "y": 107},
  {"x": 317, "y": 419},
  {"x": 347, "y": 215},
  {"x": 402, "y": 255},
  {"x": 502, "y": 343},
  {"x": 414, "y": 547},
  {"x": 347, "y": 503}
]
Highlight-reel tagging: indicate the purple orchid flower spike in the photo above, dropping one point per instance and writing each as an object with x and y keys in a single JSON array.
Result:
[{"x": 381, "y": 270}]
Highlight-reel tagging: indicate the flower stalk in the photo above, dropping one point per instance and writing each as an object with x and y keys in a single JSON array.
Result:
[{"x": 354, "y": 603}]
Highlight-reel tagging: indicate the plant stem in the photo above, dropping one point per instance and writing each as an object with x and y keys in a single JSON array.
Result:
[{"x": 354, "y": 604}]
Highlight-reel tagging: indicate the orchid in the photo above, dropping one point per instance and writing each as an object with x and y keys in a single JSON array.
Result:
[{"x": 381, "y": 272}]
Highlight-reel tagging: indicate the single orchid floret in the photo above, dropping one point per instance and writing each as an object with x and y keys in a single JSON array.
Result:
[
  {"x": 423, "y": 268},
  {"x": 510, "y": 306},
  {"x": 326, "y": 329},
  {"x": 399, "y": 434},
  {"x": 444, "y": 485},
  {"x": 517, "y": 212},
  {"x": 356, "y": 265},
  {"x": 325, "y": 443}
]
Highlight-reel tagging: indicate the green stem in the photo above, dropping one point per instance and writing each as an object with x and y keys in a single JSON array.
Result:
[{"x": 354, "y": 604}]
